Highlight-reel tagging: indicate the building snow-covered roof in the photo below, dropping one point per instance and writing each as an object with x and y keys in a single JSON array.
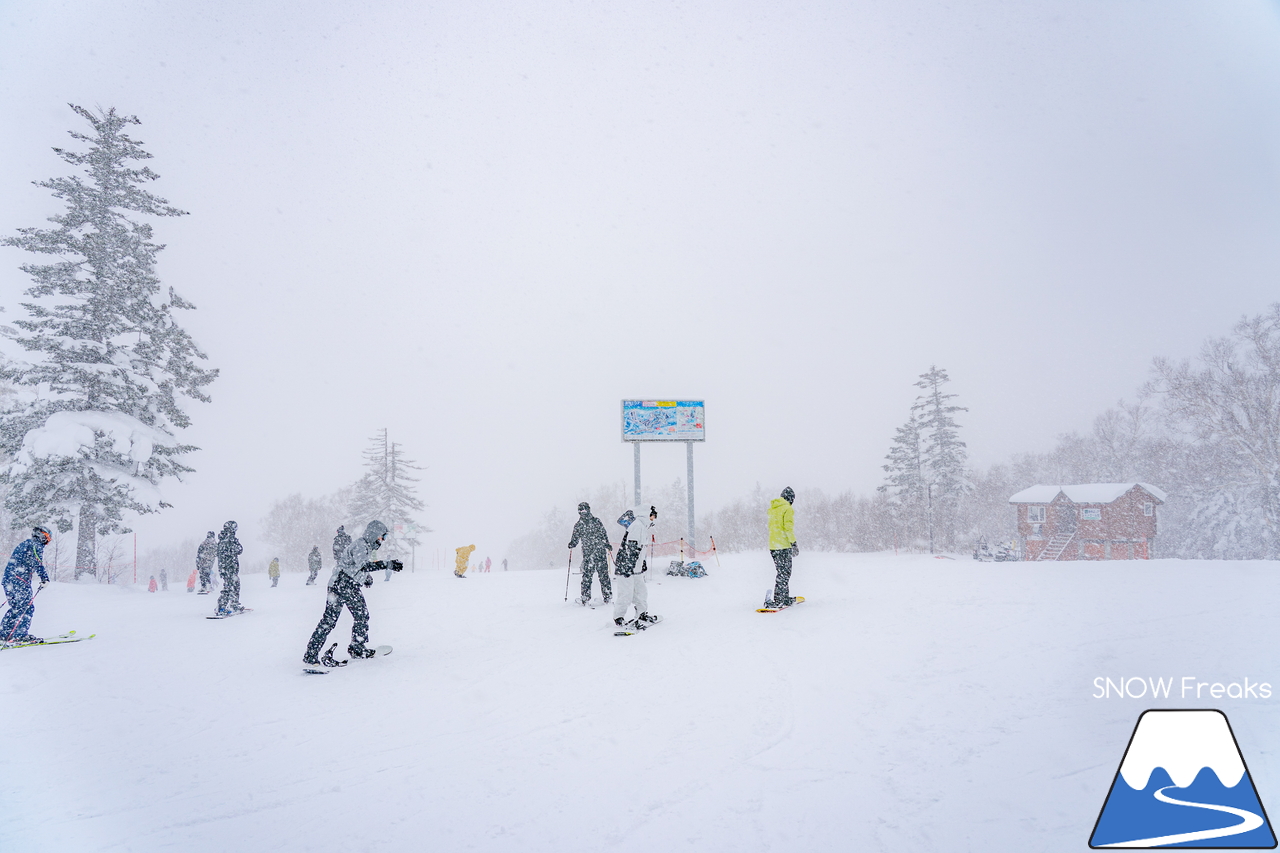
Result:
[{"x": 1083, "y": 493}]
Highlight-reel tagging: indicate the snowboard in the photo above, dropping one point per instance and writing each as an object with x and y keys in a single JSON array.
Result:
[
  {"x": 310, "y": 669},
  {"x": 634, "y": 627},
  {"x": 68, "y": 637},
  {"x": 799, "y": 598},
  {"x": 229, "y": 615}
]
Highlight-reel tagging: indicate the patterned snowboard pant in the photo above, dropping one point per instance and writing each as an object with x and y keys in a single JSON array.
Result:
[
  {"x": 17, "y": 620},
  {"x": 229, "y": 598},
  {"x": 782, "y": 562},
  {"x": 592, "y": 564},
  {"x": 343, "y": 592}
]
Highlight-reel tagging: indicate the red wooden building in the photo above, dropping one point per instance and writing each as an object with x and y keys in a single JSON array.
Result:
[{"x": 1091, "y": 521}]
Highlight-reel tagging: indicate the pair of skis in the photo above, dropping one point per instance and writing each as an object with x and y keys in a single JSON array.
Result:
[
  {"x": 635, "y": 626},
  {"x": 328, "y": 663},
  {"x": 69, "y": 637}
]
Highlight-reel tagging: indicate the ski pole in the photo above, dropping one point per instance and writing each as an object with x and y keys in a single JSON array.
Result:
[{"x": 568, "y": 570}]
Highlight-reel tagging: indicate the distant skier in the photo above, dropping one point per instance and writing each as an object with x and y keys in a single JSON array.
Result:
[
  {"x": 463, "y": 555},
  {"x": 590, "y": 532},
  {"x": 27, "y": 558},
  {"x": 349, "y": 575},
  {"x": 229, "y": 551},
  {"x": 340, "y": 543},
  {"x": 629, "y": 566},
  {"x": 164, "y": 580},
  {"x": 205, "y": 556},
  {"x": 273, "y": 571},
  {"x": 313, "y": 563},
  {"x": 782, "y": 546},
  {"x": 191, "y": 580},
  {"x": 504, "y": 564},
  {"x": 488, "y": 565},
  {"x": 151, "y": 587}
]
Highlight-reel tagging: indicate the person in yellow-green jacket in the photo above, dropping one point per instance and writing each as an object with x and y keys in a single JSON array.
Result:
[{"x": 782, "y": 546}]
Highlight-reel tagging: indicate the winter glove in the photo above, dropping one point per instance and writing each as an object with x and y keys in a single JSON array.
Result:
[
  {"x": 396, "y": 566},
  {"x": 368, "y": 581},
  {"x": 795, "y": 549}
]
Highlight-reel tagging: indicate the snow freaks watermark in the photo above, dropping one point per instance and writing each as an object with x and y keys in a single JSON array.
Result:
[
  {"x": 1186, "y": 687},
  {"x": 1182, "y": 782}
]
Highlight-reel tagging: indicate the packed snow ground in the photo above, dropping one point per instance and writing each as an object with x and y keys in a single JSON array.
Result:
[{"x": 910, "y": 704}]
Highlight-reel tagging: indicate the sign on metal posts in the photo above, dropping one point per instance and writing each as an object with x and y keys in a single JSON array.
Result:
[{"x": 664, "y": 420}]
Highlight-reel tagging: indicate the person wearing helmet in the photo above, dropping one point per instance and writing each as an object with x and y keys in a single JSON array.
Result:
[
  {"x": 629, "y": 566},
  {"x": 589, "y": 531},
  {"x": 782, "y": 546},
  {"x": 229, "y": 550},
  {"x": 351, "y": 573},
  {"x": 27, "y": 559},
  {"x": 206, "y": 554}
]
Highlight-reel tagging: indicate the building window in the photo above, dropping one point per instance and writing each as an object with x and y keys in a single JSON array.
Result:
[
  {"x": 1035, "y": 514},
  {"x": 1091, "y": 513},
  {"x": 1148, "y": 509}
]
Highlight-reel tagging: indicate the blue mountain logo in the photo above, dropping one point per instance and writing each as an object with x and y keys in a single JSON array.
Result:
[{"x": 1183, "y": 783}]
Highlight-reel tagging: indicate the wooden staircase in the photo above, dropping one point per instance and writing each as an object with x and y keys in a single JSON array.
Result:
[{"x": 1056, "y": 546}]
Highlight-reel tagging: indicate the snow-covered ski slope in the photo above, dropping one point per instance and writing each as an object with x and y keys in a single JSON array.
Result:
[{"x": 911, "y": 704}]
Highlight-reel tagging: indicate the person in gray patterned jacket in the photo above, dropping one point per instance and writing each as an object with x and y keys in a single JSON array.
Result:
[{"x": 351, "y": 573}]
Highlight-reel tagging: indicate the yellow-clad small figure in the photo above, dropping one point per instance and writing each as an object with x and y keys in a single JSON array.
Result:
[
  {"x": 273, "y": 571},
  {"x": 460, "y": 564}
]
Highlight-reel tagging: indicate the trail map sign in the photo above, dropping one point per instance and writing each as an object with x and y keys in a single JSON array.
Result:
[{"x": 663, "y": 420}]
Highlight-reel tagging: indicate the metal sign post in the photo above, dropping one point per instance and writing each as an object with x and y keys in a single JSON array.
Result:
[{"x": 665, "y": 420}]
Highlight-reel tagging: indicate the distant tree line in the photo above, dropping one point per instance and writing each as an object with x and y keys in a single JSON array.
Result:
[{"x": 1205, "y": 430}]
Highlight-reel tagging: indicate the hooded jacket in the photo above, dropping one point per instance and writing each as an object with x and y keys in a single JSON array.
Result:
[
  {"x": 313, "y": 559},
  {"x": 630, "y": 556},
  {"x": 206, "y": 553},
  {"x": 355, "y": 560},
  {"x": 229, "y": 550},
  {"x": 589, "y": 530},
  {"x": 27, "y": 558},
  {"x": 782, "y": 524}
]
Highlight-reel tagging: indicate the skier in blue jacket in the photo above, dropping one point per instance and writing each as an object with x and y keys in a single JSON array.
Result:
[{"x": 27, "y": 559}]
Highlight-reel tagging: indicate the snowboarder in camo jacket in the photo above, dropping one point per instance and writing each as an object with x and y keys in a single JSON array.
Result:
[
  {"x": 351, "y": 573},
  {"x": 589, "y": 531},
  {"x": 229, "y": 550},
  {"x": 205, "y": 556},
  {"x": 313, "y": 563}
]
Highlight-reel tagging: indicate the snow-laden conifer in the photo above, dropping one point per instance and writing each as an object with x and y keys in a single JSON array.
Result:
[
  {"x": 386, "y": 493},
  {"x": 95, "y": 434}
]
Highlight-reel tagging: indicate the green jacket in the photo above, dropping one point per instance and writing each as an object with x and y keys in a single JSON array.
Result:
[{"x": 782, "y": 524}]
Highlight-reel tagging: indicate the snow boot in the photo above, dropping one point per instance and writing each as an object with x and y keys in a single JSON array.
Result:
[
  {"x": 360, "y": 652},
  {"x": 329, "y": 660},
  {"x": 646, "y": 619}
]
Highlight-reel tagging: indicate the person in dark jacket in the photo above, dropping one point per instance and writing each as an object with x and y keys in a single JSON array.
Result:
[
  {"x": 340, "y": 543},
  {"x": 351, "y": 573},
  {"x": 27, "y": 559},
  {"x": 205, "y": 556},
  {"x": 313, "y": 563},
  {"x": 589, "y": 531},
  {"x": 229, "y": 550}
]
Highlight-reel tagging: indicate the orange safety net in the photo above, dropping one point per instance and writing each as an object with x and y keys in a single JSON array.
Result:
[{"x": 691, "y": 551}]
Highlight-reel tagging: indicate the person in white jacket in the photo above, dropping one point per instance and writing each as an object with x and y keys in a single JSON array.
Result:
[{"x": 629, "y": 568}]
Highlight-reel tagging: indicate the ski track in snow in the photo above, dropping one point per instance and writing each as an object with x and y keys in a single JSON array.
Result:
[{"x": 909, "y": 704}]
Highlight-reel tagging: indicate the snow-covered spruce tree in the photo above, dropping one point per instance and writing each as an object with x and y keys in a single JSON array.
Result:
[
  {"x": 95, "y": 435},
  {"x": 943, "y": 455},
  {"x": 386, "y": 493},
  {"x": 904, "y": 484}
]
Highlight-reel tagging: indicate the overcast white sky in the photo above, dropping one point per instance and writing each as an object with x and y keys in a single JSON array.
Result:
[{"x": 483, "y": 224}]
